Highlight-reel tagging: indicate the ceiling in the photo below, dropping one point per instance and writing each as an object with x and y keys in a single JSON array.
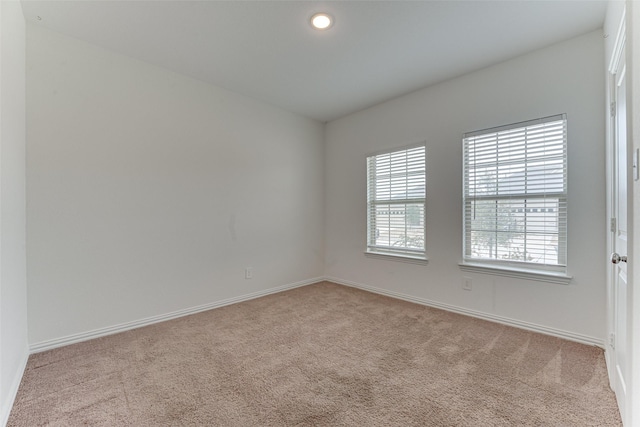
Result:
[{"x": 375, "y": 51}]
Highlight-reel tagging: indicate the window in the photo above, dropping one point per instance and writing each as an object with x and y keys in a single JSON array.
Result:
[
  {"x": 396, "y": 190},
  {"x": 515, "y": 195}
]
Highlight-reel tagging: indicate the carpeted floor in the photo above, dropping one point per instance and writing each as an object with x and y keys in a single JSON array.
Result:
[{"x": 320, "y": 355}]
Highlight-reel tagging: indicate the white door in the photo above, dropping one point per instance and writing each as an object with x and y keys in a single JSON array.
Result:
[{"x": 620, "y": 238}]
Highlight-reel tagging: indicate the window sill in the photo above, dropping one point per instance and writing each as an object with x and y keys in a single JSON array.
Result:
[
  {"x": 537, "y": 275},
  {"x": 397, "y": 257}
]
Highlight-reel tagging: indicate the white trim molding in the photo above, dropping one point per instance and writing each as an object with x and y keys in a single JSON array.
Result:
[
  {"x": 518, "y": 273},
  {"x": 571, "y": 336},
  {"x": 97, "y": 333},
  {"x": 110, "y": 330},
  {"x": 7, "y": 403},
  {"x": 618, "y": 46},
  {"x": 397, "y": 257}
]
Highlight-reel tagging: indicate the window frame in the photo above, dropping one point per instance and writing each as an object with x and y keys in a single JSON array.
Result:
[
  {"x": 404, "y": 253},
  {"x": 553, "y": 272}
]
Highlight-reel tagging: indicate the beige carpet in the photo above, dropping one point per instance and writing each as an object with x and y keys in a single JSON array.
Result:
[{"x": 321, "y": 355}]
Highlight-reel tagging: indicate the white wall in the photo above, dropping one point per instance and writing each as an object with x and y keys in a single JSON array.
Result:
[
  {"x": 564, "y": 78},
  {"x": 13, "y": 287},
  {"x": 149, "y": 192}
]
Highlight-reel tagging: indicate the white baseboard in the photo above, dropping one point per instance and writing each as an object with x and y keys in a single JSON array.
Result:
[
  {"x": 110, "y": 330},
  {"x": 7, "y": 403},
  {"x": 608, "y": 360},
  {"x": 584, "y": 339},
  {"x": 96, "y": 333}
]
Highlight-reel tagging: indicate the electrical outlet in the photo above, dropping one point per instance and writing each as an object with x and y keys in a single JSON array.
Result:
[
  {"x": 248, "y": 273},
  {"x": 466, "y": 283}
]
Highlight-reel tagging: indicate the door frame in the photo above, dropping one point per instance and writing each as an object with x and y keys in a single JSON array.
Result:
[
  {"x": 633, "y": 129},
  {"x": 621, "y": 44},
  {"x": 610, "y": 156}
]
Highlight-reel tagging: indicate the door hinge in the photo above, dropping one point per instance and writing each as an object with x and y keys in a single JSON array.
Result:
[
  {"x": 613, "y": 225},
  {"x": 612, "y": 340},
  {"x": 613, "y": 109}
]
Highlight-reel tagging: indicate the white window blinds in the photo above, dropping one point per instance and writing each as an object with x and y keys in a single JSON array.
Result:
[
  {"x": 396, "y": 190},
  {"x": 515, "y": 193}
]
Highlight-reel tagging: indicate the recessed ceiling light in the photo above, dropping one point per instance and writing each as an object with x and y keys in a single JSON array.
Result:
[{"x": 321, "y": 21}]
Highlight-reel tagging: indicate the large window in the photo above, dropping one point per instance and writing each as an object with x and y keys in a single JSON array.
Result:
[
  {"x": 515, "y": 195},
  {"x": 396, "y": 190}
]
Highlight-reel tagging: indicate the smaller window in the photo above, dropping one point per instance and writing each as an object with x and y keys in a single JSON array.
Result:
[{"x": 396, "y": 194}]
